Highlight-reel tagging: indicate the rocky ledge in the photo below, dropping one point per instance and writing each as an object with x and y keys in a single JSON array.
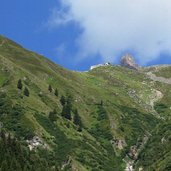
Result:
[{"x": 129, "y": 62}]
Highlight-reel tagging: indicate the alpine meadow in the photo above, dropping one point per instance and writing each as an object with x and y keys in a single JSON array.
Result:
[{"x": 110, "y": 118}]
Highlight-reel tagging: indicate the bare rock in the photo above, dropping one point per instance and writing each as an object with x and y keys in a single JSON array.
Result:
[
  {"x": 129, "y": 62},
  {"x": 120, "y": 144},
  {"x": 36, "y": 142}
]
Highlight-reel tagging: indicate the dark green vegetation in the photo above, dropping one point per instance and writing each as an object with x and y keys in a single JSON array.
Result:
[
  {"x": 15, "y": 156},
  {"x": 80, "y": 120},
  {"x": 156, "y": 155}
]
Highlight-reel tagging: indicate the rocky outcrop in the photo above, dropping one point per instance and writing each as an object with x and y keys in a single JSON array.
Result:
[
  {"x": 36, "y": 142},
  {"x": 159, "y": 79},
  {"x": 129, "y": 62},
  {"x": 120, "y": 144},
  {"x": 66, "y": 163},
  {"x": 129, "y": 166},
  {"x": 134, "y": 151}
]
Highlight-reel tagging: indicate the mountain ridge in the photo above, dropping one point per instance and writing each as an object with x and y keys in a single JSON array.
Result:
[{"x": 113, "y": 102}]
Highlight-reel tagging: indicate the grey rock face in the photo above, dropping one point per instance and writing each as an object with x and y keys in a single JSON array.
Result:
[{"x": 129, "y": 62}]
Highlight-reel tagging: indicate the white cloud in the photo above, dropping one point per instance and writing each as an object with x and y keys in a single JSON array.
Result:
[
  {"x": 58, "y": 18},
  {"x": 114, "y": 26}
]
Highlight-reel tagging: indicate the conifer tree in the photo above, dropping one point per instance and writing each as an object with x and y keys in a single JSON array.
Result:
[
  {"x": 66, "y": 112},
  {"x": 79, "y": 128},
  {"x": 19, "y": 84},
  {"x": 77, "y": 120},
  {"x": 50, "y": 88},
  {"x": 56, "y": 92},
  {"x": 67, "y": 106},
  {"x": 63, "y": 111},
  {"x": 26, "y": 92},
  {"x": 53, "y": 115},
  {"x": 69, "y": 99},
  {"x": 62, "y": 100},
  {"x": 102, "y": 114}
]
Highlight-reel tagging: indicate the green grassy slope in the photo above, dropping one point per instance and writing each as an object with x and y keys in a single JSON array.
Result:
[
  {"x": 163, "y": 72},
  {"x": 115, "y": 105}
]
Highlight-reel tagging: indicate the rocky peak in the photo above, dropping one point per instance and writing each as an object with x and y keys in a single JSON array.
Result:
[{"x": 129, "y": 62}]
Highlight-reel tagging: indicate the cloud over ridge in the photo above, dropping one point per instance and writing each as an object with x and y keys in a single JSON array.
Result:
[{"x": 111, "y": 27}]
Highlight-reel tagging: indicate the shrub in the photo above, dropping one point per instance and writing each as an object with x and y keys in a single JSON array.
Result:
[
  {"x": 50, "y": 88},
  {"x": 26, "y": 92},
  {"x": 56, "y": 92},
  {"x": 19, "y": 84}
]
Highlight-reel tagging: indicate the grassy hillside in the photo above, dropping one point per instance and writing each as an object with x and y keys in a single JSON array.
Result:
[
  {"x": 164, "y": 71},
  {"x": 118, "y": 109}
]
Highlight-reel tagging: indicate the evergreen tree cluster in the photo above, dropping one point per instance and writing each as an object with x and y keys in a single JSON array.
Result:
[
  {"x": 66, "y": 107},
  {"x": 63, "y": 100},
  {"x": 20, "y": 87},
  {"x": 56, "y": 93},
  {"x": 77, "y": 120},
  {"x": 101, "y": 130},
  {"x": 67, "y": 111},
  {"x": 10, "y": 116},
  {"x": 15, "y": 157},
  {"x": 26, "y": 90},
  {"x": 53, "y": 115},
  {"x": 102, "y": 114}
]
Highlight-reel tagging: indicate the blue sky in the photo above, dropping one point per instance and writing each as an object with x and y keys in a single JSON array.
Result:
[{"x": 77, "y": 34}]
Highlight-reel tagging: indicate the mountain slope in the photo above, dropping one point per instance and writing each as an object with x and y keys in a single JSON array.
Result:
[{"x": 120, "y": 110}]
